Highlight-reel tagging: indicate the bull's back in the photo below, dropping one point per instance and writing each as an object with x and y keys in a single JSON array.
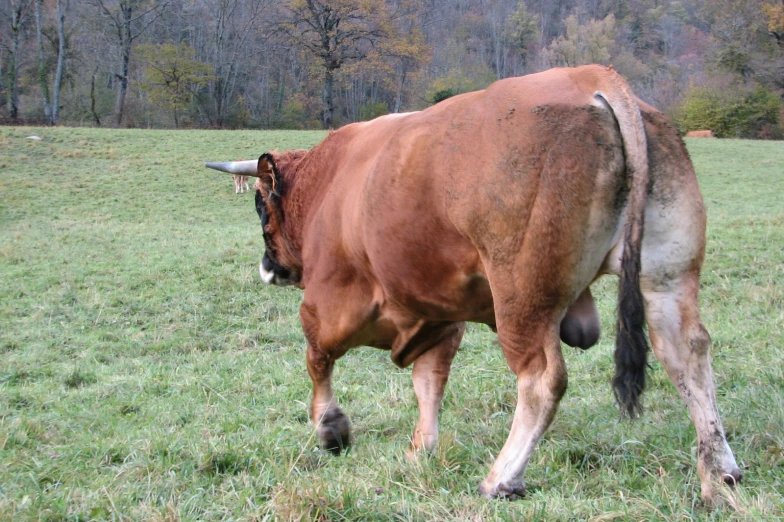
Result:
[{"x": 518, "y": 174}]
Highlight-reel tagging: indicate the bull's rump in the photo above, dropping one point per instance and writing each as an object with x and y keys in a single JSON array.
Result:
[{"x": 510, "y": 177}]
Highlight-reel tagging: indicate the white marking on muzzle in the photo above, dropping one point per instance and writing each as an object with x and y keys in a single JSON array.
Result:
[{"x": 266, "y": 276}]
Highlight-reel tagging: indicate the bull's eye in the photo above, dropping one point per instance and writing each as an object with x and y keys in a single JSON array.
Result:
[{"x": 261, "y": 210}]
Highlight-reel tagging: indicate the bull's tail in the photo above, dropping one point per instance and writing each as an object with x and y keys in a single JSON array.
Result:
[{"x": 631, "y": 345}]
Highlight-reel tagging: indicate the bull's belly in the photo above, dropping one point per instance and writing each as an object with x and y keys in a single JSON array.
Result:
[
  {"x": 400, "y": 314},
  {"x": 413, "y": 325},
  {"x": 457, "y": 299}
]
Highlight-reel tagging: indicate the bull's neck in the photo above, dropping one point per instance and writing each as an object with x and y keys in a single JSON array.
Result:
[{"x": 307, "y": 180}]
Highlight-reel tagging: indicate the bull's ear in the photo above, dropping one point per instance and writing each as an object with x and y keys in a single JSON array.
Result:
[{"x": 269, "y": 176}]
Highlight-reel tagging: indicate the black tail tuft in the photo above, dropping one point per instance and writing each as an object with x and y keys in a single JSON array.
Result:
[{"x": 631, "y": 344}]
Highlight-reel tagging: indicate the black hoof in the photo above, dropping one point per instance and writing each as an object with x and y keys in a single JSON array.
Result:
[
  {"x": 733, "y": 478},
  {"x": 334, "y": 432},
  {"x": 511, "y": 493},
  {"x": 503, "y": 492}
]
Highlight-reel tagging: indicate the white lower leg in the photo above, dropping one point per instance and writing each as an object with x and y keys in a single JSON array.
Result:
[
  {"x": 538, "y": 395},
  {"x": 431, "y": 371},
  {"x": 682, "y": 345}
]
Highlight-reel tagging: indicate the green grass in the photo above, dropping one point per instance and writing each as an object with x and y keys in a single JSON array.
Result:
[{"x": 146, "y": 373}]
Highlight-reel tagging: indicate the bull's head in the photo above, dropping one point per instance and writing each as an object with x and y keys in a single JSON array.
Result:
[{"x": 278, "y": 266}]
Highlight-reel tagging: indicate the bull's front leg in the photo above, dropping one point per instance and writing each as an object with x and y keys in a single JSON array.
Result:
[
  {"x": 431, "y": 371},
  {"x": 331, "y": 423}
]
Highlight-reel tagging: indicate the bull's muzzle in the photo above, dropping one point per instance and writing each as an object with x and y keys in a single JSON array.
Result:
[{"x": 271, "y": 276}]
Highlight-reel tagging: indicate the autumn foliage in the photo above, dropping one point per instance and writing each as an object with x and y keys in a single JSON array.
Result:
[{"x": 323, "y": 63}]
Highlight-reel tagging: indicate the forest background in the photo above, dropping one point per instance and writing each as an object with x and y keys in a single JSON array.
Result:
[{"x": 301, "y": 64}]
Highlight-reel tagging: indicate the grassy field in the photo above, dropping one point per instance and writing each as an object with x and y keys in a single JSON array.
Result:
[{"x": 146, "y": 373}]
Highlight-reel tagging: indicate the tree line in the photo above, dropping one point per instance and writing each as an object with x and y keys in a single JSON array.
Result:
[{"x": 299, "y": 64}]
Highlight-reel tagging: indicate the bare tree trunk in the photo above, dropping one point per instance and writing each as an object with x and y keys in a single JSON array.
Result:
[
  {"x": 13, "y": 79},
  {"x": 127, "y": 30},
  {"x": 92, "y": 98},
  {"x": 235, "y": 29},
  {"x": 18, "y": 18},
  {"x": 220, "y": 31},
  {"x": 281, "y": 89},
  {"x": 58, "y": 75},
  {"x": 126, "y": 40},
  {"x": 401, "y": 82},
  {"x": 43, "y": 76},
  {"x": 122, "y": 90},
  {"x": 329, "y": 97},
  {"x": 12, "y": 90},
  {"x": 2, "y": 74}
]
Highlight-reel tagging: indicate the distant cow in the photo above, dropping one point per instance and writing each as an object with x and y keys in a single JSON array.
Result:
[
  {"x": 500, "y": 207},
  {"x": 240, "y": 183},
  {"x": 700, "y": 134}
]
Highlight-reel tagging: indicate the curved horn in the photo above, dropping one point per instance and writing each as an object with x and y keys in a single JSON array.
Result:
[{"x": 245, "y": 168}]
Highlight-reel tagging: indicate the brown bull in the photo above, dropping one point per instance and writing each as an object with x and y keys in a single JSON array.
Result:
[
  {"x": 500, "y": 207},
  {"x": 699, "y": 134}
]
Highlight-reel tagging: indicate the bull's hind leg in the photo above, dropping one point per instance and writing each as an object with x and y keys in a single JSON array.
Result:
[
  {"x": 431, "y": 371},
  {"x": 682, "y": 344},
  {"x": 672, "y": 253},
  {"x": 531, "y": 345},
  {"x": 331, "y": 423}
]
